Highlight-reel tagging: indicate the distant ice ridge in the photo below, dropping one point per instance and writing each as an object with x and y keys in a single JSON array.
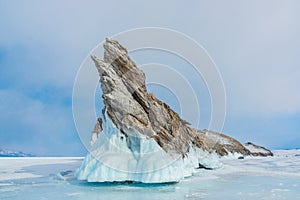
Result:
[
  {"x": 10, "y": 153},
  {"x": 137, "y": 158}
]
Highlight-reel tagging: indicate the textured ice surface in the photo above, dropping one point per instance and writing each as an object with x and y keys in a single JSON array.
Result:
[
  {"x": 275, "y": 177},
  {"x": 15, "y": 167},
  {"x": 138, "y": 158}
]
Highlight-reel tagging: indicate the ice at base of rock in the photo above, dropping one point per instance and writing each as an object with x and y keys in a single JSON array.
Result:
[{"x": 138, "y": 158}]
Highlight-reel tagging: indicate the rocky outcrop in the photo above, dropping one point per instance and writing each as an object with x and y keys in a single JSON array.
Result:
[
  {"x": 140, "y": 138},
  {"x": 256, "y": 150},
  {"x": 132, "y": 109}
]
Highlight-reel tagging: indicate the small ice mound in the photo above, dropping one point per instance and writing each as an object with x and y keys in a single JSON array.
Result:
[
  {"x": 140, "y": 160},
  {"x": 63, "y": 176}
]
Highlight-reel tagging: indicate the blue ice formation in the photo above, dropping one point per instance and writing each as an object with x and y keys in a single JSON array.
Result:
[{"x": 138, "y": 158}]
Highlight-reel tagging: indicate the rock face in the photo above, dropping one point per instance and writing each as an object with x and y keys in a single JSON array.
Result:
[
  {"x": 140, "y": 138},
  {"x": 131, "y": 108}
]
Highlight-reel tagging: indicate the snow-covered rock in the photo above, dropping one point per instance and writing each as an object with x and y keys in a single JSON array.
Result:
[{"x": 257, "y": 150}]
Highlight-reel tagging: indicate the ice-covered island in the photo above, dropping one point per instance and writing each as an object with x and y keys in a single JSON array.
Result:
[{"x": 140, "y": 138}]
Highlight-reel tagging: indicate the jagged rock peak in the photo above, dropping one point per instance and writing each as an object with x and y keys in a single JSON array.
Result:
[{"x": 132, "y": 109}]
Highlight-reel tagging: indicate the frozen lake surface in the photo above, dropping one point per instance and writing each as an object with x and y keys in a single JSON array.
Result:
[{"x": 275, "y": 177}]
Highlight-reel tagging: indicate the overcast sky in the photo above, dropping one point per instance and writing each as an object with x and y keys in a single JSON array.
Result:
[{"x": 255, "y": 44}]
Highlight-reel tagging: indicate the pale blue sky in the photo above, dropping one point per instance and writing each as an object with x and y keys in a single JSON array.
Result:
[{"x": 255, "y": 44}]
